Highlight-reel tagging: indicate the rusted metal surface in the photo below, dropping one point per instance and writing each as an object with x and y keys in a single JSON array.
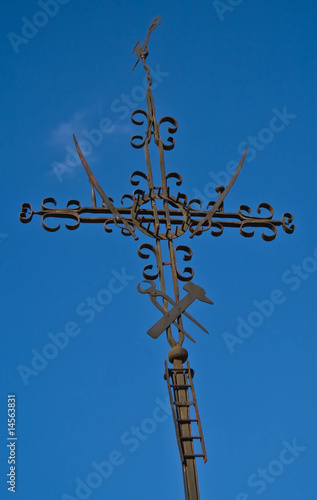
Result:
[
  {"x": 193, "y": 292},
  {"x": 164, "y": 214},
  {"x": 144, "y": 220},
  {"x": 187, "y": 426},
  {"x": 117, "y": 218},
  {"x": 178, "y": 308},
  {"x": 182, "y": 395},
  {"x": 141, "y": 50}
]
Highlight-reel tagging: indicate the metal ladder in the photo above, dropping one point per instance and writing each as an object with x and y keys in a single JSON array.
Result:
[{"x": 182, "y": 398}]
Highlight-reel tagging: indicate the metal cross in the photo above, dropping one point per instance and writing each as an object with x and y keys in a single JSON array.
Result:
[{"x": 157, "y": 213}]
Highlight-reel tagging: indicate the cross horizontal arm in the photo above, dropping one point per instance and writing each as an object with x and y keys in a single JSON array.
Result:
[{"x": 145, "y": 218}]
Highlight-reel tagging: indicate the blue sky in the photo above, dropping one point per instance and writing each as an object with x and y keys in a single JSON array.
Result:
[{"x": 232, "y": 73}]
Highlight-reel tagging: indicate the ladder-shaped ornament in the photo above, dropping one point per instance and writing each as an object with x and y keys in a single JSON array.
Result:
[{"x": 183, "y": 398}]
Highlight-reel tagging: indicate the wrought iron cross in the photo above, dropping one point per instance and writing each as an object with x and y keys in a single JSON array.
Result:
[{"x": 163, "y": 216}]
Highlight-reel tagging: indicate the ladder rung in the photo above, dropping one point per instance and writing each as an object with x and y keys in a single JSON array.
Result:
[
  {"x": 180, "y": 386},
  {"x": 189, "y": 438},
  {"x": 178, "y": 370},
  {"x": 183, "y": 403},
  {"x": 186, "y": 420},
  {"x": 194, "y": 456}
]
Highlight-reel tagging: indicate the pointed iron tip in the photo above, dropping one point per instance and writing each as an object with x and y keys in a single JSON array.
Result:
[
  {"x": 135, "y": 64},
  {"x": 205, "y": 299}
]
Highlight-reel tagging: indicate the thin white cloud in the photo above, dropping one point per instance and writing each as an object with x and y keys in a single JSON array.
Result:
[
  {"x": 62, "y": 135},
  {"x": 124, "y": 129}
]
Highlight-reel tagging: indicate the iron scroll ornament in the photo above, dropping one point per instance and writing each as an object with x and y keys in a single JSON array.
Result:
[
  {"x": 185, "y": 217},
  {"x": 158, "y": 211},
  {"x": 161, "y": 212}
]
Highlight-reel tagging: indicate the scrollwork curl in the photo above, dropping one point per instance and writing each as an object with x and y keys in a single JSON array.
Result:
[
  {"x": 48, "y": 200},
  {"x": 48, "y": 228},
  {"x": 119, "y": 223},
  {"x": 211, "y": 204},
  {"x": 137, "y": 145},
  {"x": 138, "y": 194},
  {"x": 246, "y": 224},
  {"x": 248, "y": 210},
  {"x": 244, "y": 208},
  {"x": 139, "y": 138},
  {"x": 124, "y": 230},
  {"x": 171, "y": 130},
  {"x": 141, "y": 112},
  {"x": 106, "y": 226},
  {"x": 138, "y": 173},
  {"x": 266, "y": 206},
  {"x": 205, "y": 226},
  {"x": 253, "y": 223},
  {"x": 217, "y": 225},
  {"x": 175, "y": 175},
  {"x": 129, "y": 197},
  {"x": 143, "y": 255},
  {"x": 26, "y": 214},
  {"x": 270, "y": 237},
  {"x": 194, "y": 200},
  {"x": 188, "y": 253},
  {"x": 74, "y": 202},
  {"x": 287, "y": 219},
  {"x": 75, "y": 217}
]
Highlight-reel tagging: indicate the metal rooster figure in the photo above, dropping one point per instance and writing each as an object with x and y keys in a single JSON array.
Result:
[{"x": 157, "y": 213}]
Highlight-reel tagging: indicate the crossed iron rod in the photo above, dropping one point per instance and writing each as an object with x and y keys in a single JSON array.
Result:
[{"x": 164, "y": 217}]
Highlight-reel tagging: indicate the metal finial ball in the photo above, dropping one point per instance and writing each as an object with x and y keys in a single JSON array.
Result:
[
  {"x": 179, "y": 353},
  {"x": 219, "y": 189}
]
